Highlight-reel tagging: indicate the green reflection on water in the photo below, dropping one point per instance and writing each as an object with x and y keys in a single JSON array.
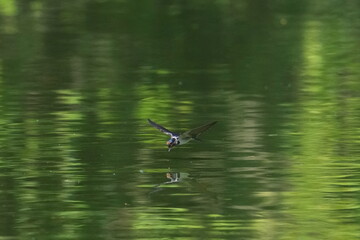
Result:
[
  {"x": 79, "y": 79},
  {"x": 8, "y": 7},
  {"x": 323, "y": 178}
]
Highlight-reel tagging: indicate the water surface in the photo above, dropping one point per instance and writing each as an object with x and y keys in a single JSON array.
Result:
[{"x": 78, "y": 159}]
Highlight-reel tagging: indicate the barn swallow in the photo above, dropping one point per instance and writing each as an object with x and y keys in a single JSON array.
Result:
[{"x": 179, "y": 139}]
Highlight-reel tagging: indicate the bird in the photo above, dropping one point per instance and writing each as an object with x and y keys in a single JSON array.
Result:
[{"x": 179, "y": 139}]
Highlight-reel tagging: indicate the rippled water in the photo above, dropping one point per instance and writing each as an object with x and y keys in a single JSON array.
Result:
[{"x": 79, "y": 160}]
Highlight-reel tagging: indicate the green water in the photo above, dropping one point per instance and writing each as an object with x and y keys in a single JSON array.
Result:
[{"x": 78, "y": 80}]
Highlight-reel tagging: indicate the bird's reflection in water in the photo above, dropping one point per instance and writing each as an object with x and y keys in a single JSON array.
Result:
[
  {"x": 188, "y": 182},
  {"x": 174, "y": 177}
]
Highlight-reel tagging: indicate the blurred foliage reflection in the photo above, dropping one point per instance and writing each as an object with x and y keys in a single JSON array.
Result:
[{"x": 78, "y": 79}]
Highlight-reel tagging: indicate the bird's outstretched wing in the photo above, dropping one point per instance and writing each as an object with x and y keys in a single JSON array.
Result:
[
  {"x": 161, "y": 128},
  {"x": 194, "y": 133}
]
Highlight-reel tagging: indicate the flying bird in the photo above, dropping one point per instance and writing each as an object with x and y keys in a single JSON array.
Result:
[{"x": 179, "y": 139}]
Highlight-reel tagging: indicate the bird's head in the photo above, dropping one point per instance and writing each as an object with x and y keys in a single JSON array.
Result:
[{"x": 171, "y": 143}]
